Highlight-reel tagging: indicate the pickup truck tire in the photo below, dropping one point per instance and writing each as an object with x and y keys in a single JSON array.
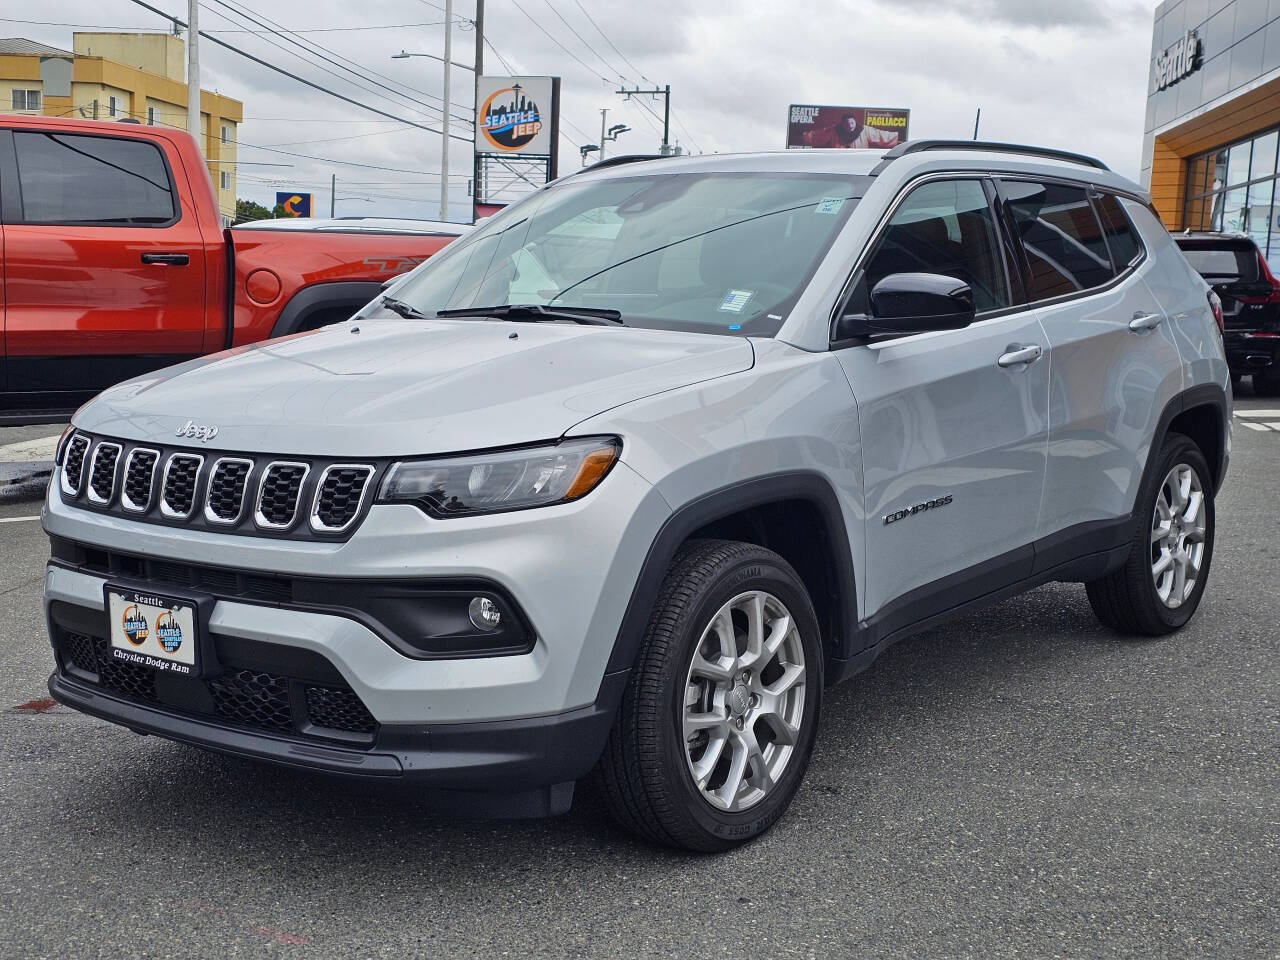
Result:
[
  {"x": 728, "y": 683},
  {"x": 1172, "y": 542}
]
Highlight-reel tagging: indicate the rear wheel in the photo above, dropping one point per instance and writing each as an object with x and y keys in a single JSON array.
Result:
[
  {"x": 718, "y": 720},
  {"x": 1159, "y": 587}
]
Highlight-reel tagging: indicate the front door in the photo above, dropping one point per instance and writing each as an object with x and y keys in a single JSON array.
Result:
[
  {"x": 954, "y": 423},
  {"x": 104, "y": 269}
]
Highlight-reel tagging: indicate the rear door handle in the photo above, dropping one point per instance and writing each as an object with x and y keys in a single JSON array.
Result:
[
  {"x": 167, "y": 259},
  {"x": 1145, "y": 321},
  {"x": 1016, "y": 354}
]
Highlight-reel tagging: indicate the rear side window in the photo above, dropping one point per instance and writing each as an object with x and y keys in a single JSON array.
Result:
[
  {"x": 1121, "y": 235},
  {"x": 1062, "y": 238},
  {"x": 72, "y": 178},
  {"x": 1224, "y": 263}
]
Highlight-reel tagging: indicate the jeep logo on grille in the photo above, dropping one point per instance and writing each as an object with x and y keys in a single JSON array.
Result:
[{"x": 197, "y": 431}]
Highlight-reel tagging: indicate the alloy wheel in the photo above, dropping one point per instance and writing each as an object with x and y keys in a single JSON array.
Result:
[
  {"x": 744, "y": 701},
  {"x": 1177, "y": 536}
]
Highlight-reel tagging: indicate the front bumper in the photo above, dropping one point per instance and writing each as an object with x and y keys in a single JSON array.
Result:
[{"x": 521, "y": 768}]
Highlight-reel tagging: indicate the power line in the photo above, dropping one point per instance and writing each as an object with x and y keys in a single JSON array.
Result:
[
  {"x": 607, "y": 65},
  {"x": 316, "y": 50},
  {"x": 116, "y": 28},
  {"x": 294, "y": 76},
  {"x": 590, "y": 69},
  {"x": 611, "y": 43}
]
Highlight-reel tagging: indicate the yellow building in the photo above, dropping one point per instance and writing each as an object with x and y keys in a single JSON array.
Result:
[{"x": 122, "y": 76}]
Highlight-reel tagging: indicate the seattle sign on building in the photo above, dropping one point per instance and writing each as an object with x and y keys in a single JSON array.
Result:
[{"x": 1179, "y": 61}]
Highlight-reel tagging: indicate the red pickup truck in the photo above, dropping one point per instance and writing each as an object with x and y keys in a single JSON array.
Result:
[{"x": 115, "y": 263}]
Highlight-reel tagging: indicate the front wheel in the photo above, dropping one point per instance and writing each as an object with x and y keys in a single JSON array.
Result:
[
  {"x": 1160, "y": 585},
  {"x": 718, "y": 720}
]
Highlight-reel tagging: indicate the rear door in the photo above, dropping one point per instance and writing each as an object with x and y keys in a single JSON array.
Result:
[
  {"x": 954, "y": 427},
  {"x": 1112, "y": 359},
  {"x": 104, "y": 266}
]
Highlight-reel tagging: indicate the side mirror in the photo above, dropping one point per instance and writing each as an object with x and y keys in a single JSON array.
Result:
[{"x": 904, "y": 303}]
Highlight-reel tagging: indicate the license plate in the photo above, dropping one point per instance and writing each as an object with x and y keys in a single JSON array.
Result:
[{"x": 153, "y": 630}]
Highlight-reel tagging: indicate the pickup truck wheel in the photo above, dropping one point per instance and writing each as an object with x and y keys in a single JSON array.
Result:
[
  {"x": 1160, "y": 585},
  {"x": 718, "y": 719}
]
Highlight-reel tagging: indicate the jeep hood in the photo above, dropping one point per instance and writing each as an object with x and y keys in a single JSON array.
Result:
[{"x": 405, "y": 387}]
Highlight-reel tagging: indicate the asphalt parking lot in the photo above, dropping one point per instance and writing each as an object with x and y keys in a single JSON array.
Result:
[{"x": 1017, "y": 784}]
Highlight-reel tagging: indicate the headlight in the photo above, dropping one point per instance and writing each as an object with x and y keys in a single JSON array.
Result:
[{"x": 503, "y": 479}]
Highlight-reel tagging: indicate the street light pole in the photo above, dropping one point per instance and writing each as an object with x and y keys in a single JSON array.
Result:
[
  {"x": 193, "y": 72},
  {"x": 444, "y": 124}
]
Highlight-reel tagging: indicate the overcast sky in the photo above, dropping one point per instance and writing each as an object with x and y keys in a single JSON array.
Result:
[{"x": 1065, "y": 73}]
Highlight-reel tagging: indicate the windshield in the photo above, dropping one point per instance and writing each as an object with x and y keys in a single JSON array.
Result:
[{"x": 711, "y": 252}]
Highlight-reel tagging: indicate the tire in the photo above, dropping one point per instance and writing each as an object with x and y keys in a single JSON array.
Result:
[
  {"x": 646, "y": 774},
  {"x": 1266, "y": 386},
  {"x": 1131, "y": 599}
]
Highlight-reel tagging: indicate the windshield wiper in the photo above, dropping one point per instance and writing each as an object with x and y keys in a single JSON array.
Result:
[
  {"x": 533, "y": 312},
  {"x": 402, "y": 308}
]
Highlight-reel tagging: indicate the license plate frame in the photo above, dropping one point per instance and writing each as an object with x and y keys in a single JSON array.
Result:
[{"x": 173, "y": 628}]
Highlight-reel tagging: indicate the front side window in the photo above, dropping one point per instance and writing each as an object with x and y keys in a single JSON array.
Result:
[
  {"x": 70, "y": 178},
  {"x": 1063, "y": 240},
  {"x": 706, "y": 252},
  {"x": 944, "y": 227}
]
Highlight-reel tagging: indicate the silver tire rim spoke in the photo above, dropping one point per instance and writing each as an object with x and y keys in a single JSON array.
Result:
[
  {"x": 744, "y": 701},
  {"x": 1177, "y": 536}
]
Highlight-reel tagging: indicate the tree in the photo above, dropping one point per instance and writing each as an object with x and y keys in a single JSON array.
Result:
[
  {"x": 279, "y": 211},
  {"x": 247, "y": 210}
]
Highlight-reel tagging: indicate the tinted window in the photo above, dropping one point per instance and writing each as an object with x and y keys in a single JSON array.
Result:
[
  {"x": 1223, "y": 263},
  {"x": 79, "y": 179},
  {"x": 946, "y": 228},
  {"x": 1120, "y": 232},
  {"x": 1062, "y": 238}
]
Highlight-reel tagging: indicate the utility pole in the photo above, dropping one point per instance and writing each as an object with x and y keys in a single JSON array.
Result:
[
  {"x": 603, "y": 113},
  {"x": 193, "y": 72},
  {"x": 977, "y": 120},
  {"x": 665, "y": 93},
  {"x": 333, "y": 194},
  {"x": 444, "y": 121}
]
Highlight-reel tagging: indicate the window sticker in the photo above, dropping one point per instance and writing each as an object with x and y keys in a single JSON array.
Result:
[
  {"x": 830, "y": 205},
  {"x": 735, "y": 300}
]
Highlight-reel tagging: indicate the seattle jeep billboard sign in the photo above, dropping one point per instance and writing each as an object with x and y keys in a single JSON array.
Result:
[
  {"x": 812, "y": 126},
  {"x": 516, "y": 115}
]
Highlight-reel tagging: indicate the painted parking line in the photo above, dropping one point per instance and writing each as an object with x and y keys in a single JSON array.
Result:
[
  {"x": 1258, "y": 414},
  {"x": 35, "y": 451},
  {"x": 1264, "y": 427},
  {"x": 18, "y": 519}
]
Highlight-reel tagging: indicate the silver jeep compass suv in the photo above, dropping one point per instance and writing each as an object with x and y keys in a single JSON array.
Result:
[{"x": 618, "y": 483}]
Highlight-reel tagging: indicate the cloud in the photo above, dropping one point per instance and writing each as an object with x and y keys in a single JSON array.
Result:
[{"x": 1067, "y": 73}]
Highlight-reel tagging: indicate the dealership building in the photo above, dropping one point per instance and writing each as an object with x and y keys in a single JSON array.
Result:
[{"x": 1213, "y": 118}]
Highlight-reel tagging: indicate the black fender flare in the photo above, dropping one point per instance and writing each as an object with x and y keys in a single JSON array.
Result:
[
  {"x": 808, "y": 486},
  {"x": 1205, "y": 395},
  {"x": 323, "y": 296}
]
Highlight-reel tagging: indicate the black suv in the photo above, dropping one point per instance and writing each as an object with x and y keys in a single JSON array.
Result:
[{"x": 1236, "y": 269}]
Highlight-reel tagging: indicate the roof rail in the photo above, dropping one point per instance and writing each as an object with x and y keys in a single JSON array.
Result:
[
  {"x": 920, "y": 146},
  {"x": 621, "y": 159}
]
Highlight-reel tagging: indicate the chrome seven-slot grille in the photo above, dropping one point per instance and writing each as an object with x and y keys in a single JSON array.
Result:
[{"x": 241, "y": 494}]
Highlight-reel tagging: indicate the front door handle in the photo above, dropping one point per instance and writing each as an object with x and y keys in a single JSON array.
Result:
[
  {"x": 1145, "y": 321},
  {"x": 1016, "y": 353},
  {"x": 167, "y": 259}
]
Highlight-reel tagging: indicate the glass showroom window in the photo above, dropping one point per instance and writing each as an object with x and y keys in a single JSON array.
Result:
[{"x": 1233, "y": 190}]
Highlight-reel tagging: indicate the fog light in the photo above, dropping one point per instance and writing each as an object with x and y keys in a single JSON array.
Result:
[{"x": 484, "y": 613}]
